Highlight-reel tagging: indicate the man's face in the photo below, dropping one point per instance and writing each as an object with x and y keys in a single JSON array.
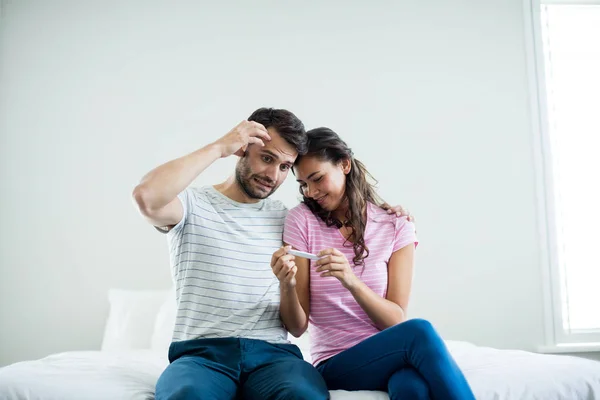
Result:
[{"x": 264, "y": 168}]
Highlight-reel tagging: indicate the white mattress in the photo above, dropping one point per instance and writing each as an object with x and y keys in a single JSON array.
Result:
[{"x": 493, "y": 374}]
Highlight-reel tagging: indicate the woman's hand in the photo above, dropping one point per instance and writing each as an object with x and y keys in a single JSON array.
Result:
[
  {"x": 333, "y": 263},
  {"x": 284, "y": 267}
]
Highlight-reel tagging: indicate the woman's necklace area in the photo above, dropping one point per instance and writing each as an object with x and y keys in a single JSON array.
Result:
[{"x": 341, "y": 224}]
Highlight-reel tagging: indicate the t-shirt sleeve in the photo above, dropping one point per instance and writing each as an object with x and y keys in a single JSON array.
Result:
[
  {"x": 295, "y": 231},
  {"x": 405, "y": 234},
  {"x": 186, "y": 197}
]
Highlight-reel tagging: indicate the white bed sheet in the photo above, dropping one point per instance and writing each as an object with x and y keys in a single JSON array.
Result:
[
  {"x": 85, "y": 375},
  {"x": 493, "y": 375},
  {"x": 514, "y": 374}
]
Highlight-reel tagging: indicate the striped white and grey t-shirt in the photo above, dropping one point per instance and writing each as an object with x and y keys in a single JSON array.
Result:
[{"x": 220, "y": 261}]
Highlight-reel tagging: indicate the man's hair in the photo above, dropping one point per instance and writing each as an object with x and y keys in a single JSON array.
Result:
[{"x": 285, "y": 123}]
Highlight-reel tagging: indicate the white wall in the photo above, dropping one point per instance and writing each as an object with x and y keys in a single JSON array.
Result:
[{"x": 431, "y": 95}]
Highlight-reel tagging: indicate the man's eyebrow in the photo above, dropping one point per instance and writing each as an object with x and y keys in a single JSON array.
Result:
[
  {"x": 308, "y": 177},
  {"x": 269, "y": 152}
]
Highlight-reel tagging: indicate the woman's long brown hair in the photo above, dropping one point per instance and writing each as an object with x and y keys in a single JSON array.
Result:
[{"x": 326, "y": 145}]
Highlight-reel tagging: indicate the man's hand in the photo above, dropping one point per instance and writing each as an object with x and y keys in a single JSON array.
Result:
[
  {"x": 399, "y": 210},
  {"x": 284, "y": 267},
  {"x": 238, "y": 139}
]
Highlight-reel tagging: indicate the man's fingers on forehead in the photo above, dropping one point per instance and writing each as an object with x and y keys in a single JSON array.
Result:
[
  {"x": 263, "y": 134},
  {"x": 259, "y": 126},
  {"x": 255, "y": 140}
]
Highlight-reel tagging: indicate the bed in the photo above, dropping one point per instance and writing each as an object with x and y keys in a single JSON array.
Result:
[{"x": 137, "y": 334}]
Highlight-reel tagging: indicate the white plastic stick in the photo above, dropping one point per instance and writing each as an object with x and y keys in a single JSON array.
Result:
[{"x": 303, "y": 254}]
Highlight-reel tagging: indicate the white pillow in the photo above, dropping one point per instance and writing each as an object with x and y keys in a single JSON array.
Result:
[
  {"x": 131, "y": 318},
  {"x": 164, "y": 324}
]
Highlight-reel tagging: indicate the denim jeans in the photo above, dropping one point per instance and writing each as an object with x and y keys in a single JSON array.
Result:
[
  {"x": 408, "y": 361},
  {"x": 232, "y": 368}
]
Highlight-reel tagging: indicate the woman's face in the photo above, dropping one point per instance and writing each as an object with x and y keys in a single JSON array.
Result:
[{"x": 323, "y": 181}]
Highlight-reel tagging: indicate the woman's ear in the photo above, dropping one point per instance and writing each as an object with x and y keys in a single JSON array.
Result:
[{"x": 346, "y": 166}]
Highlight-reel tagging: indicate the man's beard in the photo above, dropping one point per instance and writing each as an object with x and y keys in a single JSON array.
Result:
[{"x": 246, "y": 180}]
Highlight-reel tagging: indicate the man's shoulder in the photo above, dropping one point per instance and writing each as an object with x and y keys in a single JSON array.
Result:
[
  {"x": 194, "y": 192},
  {"x": 204, "y": 191},
  {"x": 206, "y": 195},
  {"x": 274, "y": 205}
]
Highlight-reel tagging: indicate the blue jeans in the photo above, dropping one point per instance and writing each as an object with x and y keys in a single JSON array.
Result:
[
  {"x": 232, "y": 368},
  {"x": 408, "y": 360}
]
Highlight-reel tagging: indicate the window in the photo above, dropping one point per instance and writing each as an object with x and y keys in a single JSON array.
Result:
[{"x": 566, "y": 43}]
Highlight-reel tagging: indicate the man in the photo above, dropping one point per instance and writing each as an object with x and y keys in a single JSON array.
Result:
[{"x": 228, "y": 340}]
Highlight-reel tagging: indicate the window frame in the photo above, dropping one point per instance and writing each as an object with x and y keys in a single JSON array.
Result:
[{"x": 557, "y": 339}]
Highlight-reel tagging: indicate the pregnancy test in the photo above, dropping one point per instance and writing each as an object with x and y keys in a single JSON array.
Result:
[{"x": 303, "y": 254}]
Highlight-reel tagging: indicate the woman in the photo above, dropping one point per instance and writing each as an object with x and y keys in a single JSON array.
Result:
[{"x": 357, "y": 308}]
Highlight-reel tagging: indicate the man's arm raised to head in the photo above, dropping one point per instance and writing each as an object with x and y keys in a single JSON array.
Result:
[{"x": 156, "y": 195}]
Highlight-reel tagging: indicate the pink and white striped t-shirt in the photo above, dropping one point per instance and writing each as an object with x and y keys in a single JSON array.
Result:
[{"x": 336, "y": 320}]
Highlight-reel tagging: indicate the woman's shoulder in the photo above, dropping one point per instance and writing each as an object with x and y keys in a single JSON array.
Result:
[
  {"x": 303, "y": 216},
  {"x": 300, "y": 214},
  {"x": 300, "y": 209},
  {"x": 378, "y": 214},
  {"x": 374, "y": 209}
]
